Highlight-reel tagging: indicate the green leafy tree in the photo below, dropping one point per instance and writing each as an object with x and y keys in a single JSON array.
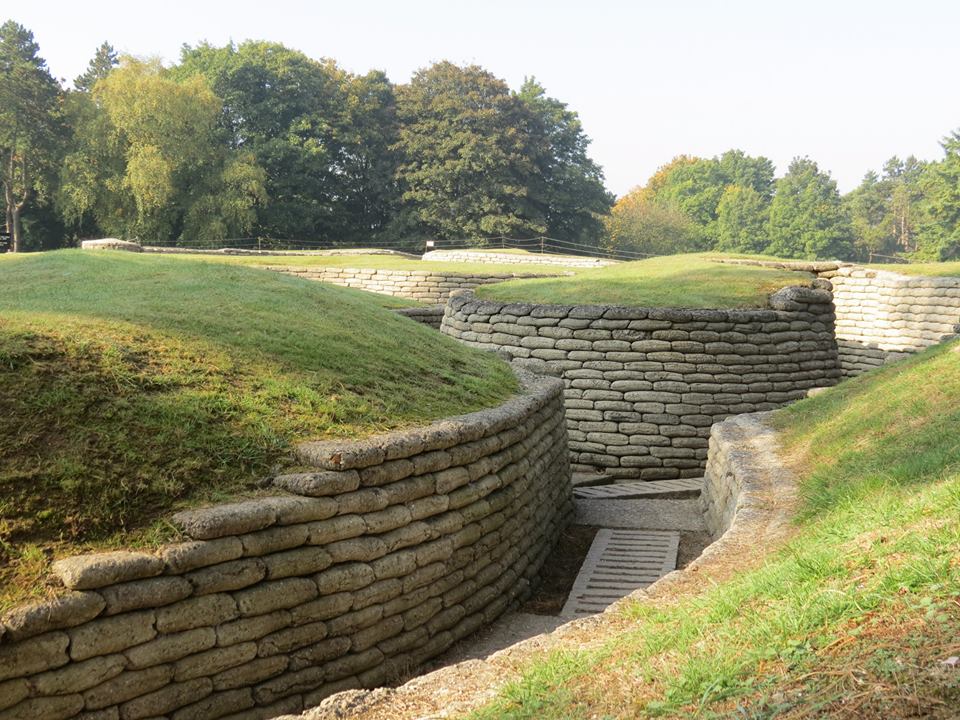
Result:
[
  {"x": 807, "y": 218},
  {"x": 697, "y": 185},
  {"x": 738, "y": 168},
  {"x": 30, "y": 127},
  {"x": 367, "y": 162},
  {"x": 465, "y": 157},
  {"x": 941, "y": 237},
  {"x": 869, "y": 210},
  {"x": 906, "y": 205},
  {"x": 103, "y": 61},
  {"x": 889, "y": 212},
  {"x": 149, "y": 162},
  {"x": 567, "y": 186},
  {"x": 322, "y": 136},
  {"x": 641, "y": 224},
  {"x": 742, "y": 215}
]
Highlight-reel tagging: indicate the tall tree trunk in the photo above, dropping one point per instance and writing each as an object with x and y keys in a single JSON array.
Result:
[
  {"x": 8, "y": 206},
  {"x": 16, "y": 232}
]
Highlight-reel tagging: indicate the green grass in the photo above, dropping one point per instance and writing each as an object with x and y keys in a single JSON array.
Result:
[
  {"x": 379, "y": 262},
  {"x": 850, "y": 618},
  {"x": 673, "y": 281},
  {"x": 931, "y": 269},
  {"x": 132, "y": 384}
]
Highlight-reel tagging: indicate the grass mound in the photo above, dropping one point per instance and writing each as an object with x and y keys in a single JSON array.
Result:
[
  {"x": 671, "y": 281},
  {"x": 852, "y": 618},
  {"x": 376, "y": 262},
  {"x": 929, "y": 269},
  {"x": 131, "y": 384}
]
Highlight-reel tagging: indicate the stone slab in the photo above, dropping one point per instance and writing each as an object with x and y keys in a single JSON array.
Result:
[
  {"x": 640, "y": 514},
  {"x": 678, "y": 488},
  {"x": 619, "y": 562}
]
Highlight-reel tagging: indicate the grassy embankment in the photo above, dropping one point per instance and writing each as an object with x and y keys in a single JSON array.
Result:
[
  {"x": 378, "y": 262},
  {"x": 133, "y": 384},
  {"x": 851, "y": 618},
  {"x": 672, "y": 281},
  {"x": 931, "y": 269}
]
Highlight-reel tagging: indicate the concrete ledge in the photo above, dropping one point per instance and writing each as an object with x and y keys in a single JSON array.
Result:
[{"x": 111, "y": 244}]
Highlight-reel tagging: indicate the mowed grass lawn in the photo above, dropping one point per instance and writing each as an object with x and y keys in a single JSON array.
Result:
[
  {"x": 931, "y": 269},
  {"x": 378, "y": 262},
  {"x": 852, "y": 618},
  {"x": 690, "y": 281},
  {"x": 132, "y": 384}
]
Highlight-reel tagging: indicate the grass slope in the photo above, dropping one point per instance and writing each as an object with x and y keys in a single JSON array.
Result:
[
  {"x": 130, "y": 384},
  {"x": 671, "y": 281},
  {"x": 930, "y": 269},
  {"x": 851, "y": 618}
]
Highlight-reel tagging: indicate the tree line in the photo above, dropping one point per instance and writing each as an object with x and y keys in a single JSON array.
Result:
[
  {"x": 260, "y": 140},
  {"x": 733, "y": 203}
]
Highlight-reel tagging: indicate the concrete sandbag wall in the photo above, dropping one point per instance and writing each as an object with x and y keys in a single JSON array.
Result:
[
  {"x": 644, "y": 385},
  {"x": 349, "y": 576},
  {"x": 426, "y": 286},
  {"x": 883, "y": 316},
  {"x": 504, "y": 258}
]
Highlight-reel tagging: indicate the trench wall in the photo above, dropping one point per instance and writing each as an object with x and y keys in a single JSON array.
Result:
[
  {"x": 424, "y": 285},
  {"x": 349, "y": 576},
  {"x": 543, "y": 259},
  {"x": 430, "y": 315},
  {"x": 644, "y": 385},
  {"x": 740, "y": 449},
  {"x": 883, "y": 316}
]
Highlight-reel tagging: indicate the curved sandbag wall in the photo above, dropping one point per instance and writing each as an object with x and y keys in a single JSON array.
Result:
[
  {"x": 348, "y": 576},
  {"x": 642, "y": 386}
]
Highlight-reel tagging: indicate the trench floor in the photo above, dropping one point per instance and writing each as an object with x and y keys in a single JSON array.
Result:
[{"x": 541, "y": 613}]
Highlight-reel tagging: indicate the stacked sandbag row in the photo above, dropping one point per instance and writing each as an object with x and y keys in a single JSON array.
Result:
[
  {"x": 388, "y": 552},
  {"x": 429, "y": 315},
  {"x": 883, "y": 316},
  {"x": 644, "y": 385},
  {"x": 426, "y": 286},
  {"x": 505, "y": 258}
]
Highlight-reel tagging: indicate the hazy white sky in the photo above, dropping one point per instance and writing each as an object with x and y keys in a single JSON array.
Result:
[{"x": 848, "y": 83}]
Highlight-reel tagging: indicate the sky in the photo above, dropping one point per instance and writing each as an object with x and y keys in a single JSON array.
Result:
[{"x": 847, "y": 83}]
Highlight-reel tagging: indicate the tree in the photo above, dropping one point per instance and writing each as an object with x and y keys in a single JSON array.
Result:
[
  {"x": 149, "y": 162},
  {"x": 30, "y": 126},
  {"x": 465, "y": 156},
  {"x": 807, "y": 219},
  {"x": 868, "y": 208},
  {"x": 641, "y": 224},
  {"x": 322, "y": 136},
  {"x": 738, "y": 168},
  {"x": 889, "y": 212},
  {"x": 942, "y": 185},
  {"x": 103, "y": 61},
  {"x": 742, "y": 220},
  {"x": 696, "y": 186},
  {"x": 567, "y": 187}
]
